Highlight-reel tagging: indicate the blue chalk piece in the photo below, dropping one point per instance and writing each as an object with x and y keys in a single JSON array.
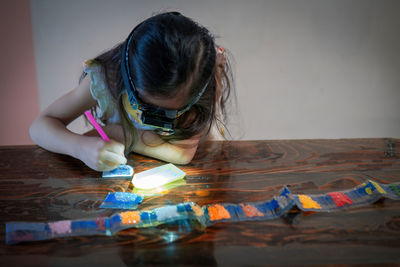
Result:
[
  {"x": 121, "y": 200},
  {"x": 122, "y": 171},
  {"x": 110, "y": 198}
]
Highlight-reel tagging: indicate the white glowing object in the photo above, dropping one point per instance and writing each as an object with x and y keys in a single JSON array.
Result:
[{"x": 157, "y": 177}]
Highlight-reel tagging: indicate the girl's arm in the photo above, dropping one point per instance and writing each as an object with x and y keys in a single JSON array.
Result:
[
  {"x": 49, "y": 131},
  {"x": 179, "y": 152},
  {"x": 149, "y": 144}
]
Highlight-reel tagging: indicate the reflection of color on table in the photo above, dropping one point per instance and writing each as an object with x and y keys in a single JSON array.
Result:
[{"x": 363, "y": 194}]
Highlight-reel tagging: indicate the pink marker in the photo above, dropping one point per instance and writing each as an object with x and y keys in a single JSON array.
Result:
[{"x": 96, "y": 126}]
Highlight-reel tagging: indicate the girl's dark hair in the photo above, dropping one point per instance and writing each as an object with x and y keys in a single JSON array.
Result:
[{"x": 170, "y": 53}]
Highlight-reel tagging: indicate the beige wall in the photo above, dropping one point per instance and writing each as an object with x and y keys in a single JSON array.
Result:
[
  {"x": 18, "y": 85},
  {"x": 305, "y": 68}
]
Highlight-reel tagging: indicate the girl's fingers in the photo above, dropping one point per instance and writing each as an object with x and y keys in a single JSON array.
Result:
[
  {"x": 105, "y": 166},
  {"x": 109, "y": 160},
  {"x": 112, "y": 157},
  {"x": 115, "y": 147}
]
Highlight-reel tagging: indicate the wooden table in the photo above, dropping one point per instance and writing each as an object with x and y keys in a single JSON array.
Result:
[{"x": 40, "y": 186}]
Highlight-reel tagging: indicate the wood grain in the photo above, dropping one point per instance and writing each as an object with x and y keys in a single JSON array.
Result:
[{"x": 36, "y": 185}]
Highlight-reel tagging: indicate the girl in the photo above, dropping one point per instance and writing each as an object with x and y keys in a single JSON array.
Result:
[{"x": 158, "y": 94}]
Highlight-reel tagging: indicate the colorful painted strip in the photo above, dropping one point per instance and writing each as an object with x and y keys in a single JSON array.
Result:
[{"x": 365, "y": 193}]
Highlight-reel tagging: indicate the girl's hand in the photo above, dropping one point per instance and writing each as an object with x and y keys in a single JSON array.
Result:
[
  {"x": 100, "y": 155},
  {"x": 111, "y": 156}
]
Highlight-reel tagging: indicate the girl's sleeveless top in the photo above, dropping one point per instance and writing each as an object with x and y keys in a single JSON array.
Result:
[{"x": 107, "y": 111}]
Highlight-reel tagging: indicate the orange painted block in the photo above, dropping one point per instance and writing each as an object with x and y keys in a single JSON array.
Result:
[
  {"x": 251, "y": 211},
  {"x": 130, "y": 217},
  {"x": 218, "y": 212}
]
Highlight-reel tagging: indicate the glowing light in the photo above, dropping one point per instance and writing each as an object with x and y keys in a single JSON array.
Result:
[{"x": 157, "y": 177}]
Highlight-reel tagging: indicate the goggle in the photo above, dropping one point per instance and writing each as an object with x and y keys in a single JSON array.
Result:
[{"x": 162, "y": 120}]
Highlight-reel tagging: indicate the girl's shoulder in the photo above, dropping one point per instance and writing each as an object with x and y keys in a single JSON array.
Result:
[
  {"x": 99, "y": 89},
  {"x": 91, "y": 65}
]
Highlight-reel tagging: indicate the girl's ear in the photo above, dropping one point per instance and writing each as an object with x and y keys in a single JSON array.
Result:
[
  {"x": 221, "y": 57},
  {"x": 220, "y": 65}
]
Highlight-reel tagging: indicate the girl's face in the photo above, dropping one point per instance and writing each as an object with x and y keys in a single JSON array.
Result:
[{"x": 152, "y": 118}]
